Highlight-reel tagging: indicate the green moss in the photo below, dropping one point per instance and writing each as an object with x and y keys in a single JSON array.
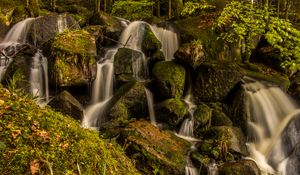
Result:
[
  {"x": 170, "y": 78},
  {"x": 150, "y": 44},
  {"x": 32, "y": 137}
]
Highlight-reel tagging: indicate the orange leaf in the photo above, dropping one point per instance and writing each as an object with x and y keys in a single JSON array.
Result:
[
  {"x": 34, "y": 167},
  {"x": 15, "y": 133}
]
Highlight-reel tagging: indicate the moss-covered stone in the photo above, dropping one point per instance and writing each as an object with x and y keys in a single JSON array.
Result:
[
  {"x": 241, "y": 167},
  {"x": 169, "y": 79},
  {"x": 72, "y": 58},
  {"x": 214, "y": 80},
  {"x": 202, "y": 116},
  {"x": 150, "y": 44},
  {"x": 154, "y": 150},
  {"x": 35, "y": 140},
  {"x": 220, "y": 119},
  {"x": 171, "y": 111},
  {"x": 67, "y": 104}
]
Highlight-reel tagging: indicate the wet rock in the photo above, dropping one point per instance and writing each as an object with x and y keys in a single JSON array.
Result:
[
  {"x": 154, "y": 150},
  {"x": 46, "y": 27},
  {"x": 169, "y": 79},
  {"x": 150, "y": 44},
  {"x": 202, "y": 116},
  {"x": 71, "y": 58},
  {"x": 191, "y": 54},
  {"x": 155, "y": 58},
  {"x": 215, "y": 80},
  {"x": 241, "y": 167},
  {"x": 67, "y": 104},
  {"x": 292, "y": 166}
]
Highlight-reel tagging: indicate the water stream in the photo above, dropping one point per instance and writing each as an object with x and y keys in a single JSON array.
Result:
[
  {"x": 62, "y": 23},
  {"x": 269, "y": 110},
  {"x": 150, "y": 106}
]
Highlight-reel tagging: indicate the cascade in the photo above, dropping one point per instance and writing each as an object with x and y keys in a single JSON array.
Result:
[
  {"x": 150, "y": 106},
  {"x": 187, "y": 126},
  {"x": 169, "y": 41},
  {"x": 269, "y": 110},
  {"x": 39, "y": 78},
  {"x": 62, "y": 23}
]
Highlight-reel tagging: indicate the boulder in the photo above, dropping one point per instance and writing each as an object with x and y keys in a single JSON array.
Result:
[
  {"x": 67, "y": 104},
  {"x": 171, "y": 111},
  {"x": 154, "y": 150},
  {"x": 155, "y": 58},
  {"x": 46, "y": 27},
  {"x": 128, "y": 65},
  {"x": 214, "y": 80},
  {"x": 240, "y": 167},
  {"x": 202, "y": 117},
  {"x": 169, "y": 79},
  {"x": 191, "y": 54},
  {"x": 71, "y": 58},
  {"x": 150, "y": 44},
  {"x": 292, "y": 166},
  {"x": 294, "y": 89}
]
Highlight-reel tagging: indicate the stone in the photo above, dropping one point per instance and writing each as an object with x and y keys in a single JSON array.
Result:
[
  {"x": 150, "y": 44},
  {"x": 240, "y": 167}
]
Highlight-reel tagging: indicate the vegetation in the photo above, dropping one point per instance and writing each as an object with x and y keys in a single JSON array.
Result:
[{"x": 35, "y": 140}]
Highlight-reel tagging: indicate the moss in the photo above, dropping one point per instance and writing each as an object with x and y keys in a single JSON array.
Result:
[
  {"x": 169, "y": 79},
  {"x": 150, "y": 44},
  {"x": 48, "y": 141},
  {"x": 202, "y": 115}
]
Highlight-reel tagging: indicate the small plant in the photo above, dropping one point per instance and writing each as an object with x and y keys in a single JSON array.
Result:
[{"x": 196, "y": 8}]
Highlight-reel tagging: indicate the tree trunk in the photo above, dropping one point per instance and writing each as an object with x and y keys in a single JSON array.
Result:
[
  {"x": 158, "y": 8},
  {"x": 170, "y": 9},
  {"x": 53, "y": 5}
]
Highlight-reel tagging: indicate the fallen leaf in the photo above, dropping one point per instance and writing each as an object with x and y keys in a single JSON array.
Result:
[
  {"x": 1, "y": 102},
  {"x": 15, "y": 133},
  {"x": 34, "y": 167}
]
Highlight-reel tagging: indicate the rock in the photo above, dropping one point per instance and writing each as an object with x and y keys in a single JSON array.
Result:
[
  {"x": 222, "y": 142},
  {"x": 191, "y": 54},
  {"x": 215, "y": 80},
  {"x": 171, "y": 111},
  {"x": 241, "y": 167},
  {"x": 67, "y": 104},
  {"x": 128, "y": 65},
  {"x": 294, "y": 89},
  {"x": 292, "y": 166},
  {"x": 154, "y": 150},
  {"x": 150, "y": 44},
  {"x": 169, "y": 79},
  {"x": 220, "y": 119},
  {"x": 4, "y": 25},
  {"x": 71, "y": 59},
  {"x": 202, "y": 116},
  {"x": 46, "y": 27},
  {"x": 155, "y": 58}
]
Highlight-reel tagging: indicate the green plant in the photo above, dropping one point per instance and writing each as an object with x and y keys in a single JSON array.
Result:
[{"x": 196, "y": 8}]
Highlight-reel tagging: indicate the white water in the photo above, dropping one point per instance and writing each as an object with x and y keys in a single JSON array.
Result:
[
  {"x": 150, "y": 106},
  {"x": 212, "y": 169},
  {"x": 62, "y": 24},
  {"x": 39, "y": 86},
  {"x": 269, "y": 109},
  {"x": 169, "y": 41},
  {"x": 187, "y": 127},
  {"x": 191, "y": 170}
]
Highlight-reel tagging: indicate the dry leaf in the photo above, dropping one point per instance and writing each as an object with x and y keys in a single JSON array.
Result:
[
  {"x": 34, "y": 167},
  {"x": 15, "y": 133}
]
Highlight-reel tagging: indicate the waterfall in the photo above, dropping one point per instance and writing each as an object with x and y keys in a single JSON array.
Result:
[
  {"x": 168, "y": 39},
  {"x": 39, "y": 78},
  {"x": 18, "y": 33},
  {"x": 150, "y": 106},
  {"x": 269, "y": 110},
  {"x": 62, "y": 23}
]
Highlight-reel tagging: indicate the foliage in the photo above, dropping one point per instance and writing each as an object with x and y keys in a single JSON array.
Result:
[
  {"x": 41, "y": 141},
  {"x": 196, "y": 8},
  {"x": 133, "y": 10},
  {"x": 243, "y": 23}
]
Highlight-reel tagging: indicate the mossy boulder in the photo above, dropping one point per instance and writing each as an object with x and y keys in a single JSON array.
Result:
[
  {"x": 202, "y": 118},
  {"x": 292, "y": 167},
  {"x": 33, "y": 139},
  {"x": 67, "y": 104},
  {"x": 150, "y": 44},
  {"x": 154, "y": 150},
  {"x": 169, "y": 79},
  {"x": 240, "y": 167},
  {"x": 128, "y": 65},
  {"x": 72, "y": 58},
  {"x": 190, "y": 54},
  {"x": 219, "y": 117},
  {"x": 214, "y": 80},
  {"x": 223, "y": 143},
  {"x": 155, "y": 58},
  {"x": 46, "y": 27},
  {"x": 171, "y": 111}
]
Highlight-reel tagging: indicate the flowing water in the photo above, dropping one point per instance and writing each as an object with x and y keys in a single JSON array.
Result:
[
  {"x": 62, "y": 23},
  {"x": 269, "y": 110},
  {"x": 150, "y": 106},
  {"x": 187, "y": 127},
  {"x": 169, "y": 41},
  {"x": 39, "y": 78}
]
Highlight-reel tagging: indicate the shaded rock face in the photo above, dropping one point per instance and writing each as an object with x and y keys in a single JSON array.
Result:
[
  {"x": 71, "y": 58},
  {"x": 171, "y": 111},
  {"x": 202, "y": 117},
  {"x": 241, "y": 167},
  {"x": 125, "y": 61},
  {"x": 67, "y": 104},
  {"x": 46, "y": 27},
  {"x": 214, "y": 81},
  {"x": 294, "y": 89},
  {"x": 20, "y": 66},
  {"x": 191, "y": 54},
  {"x": 292, "y": 167},
  {"x": 169, "y": 79},
  {"x": 154, "y": 150}
]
